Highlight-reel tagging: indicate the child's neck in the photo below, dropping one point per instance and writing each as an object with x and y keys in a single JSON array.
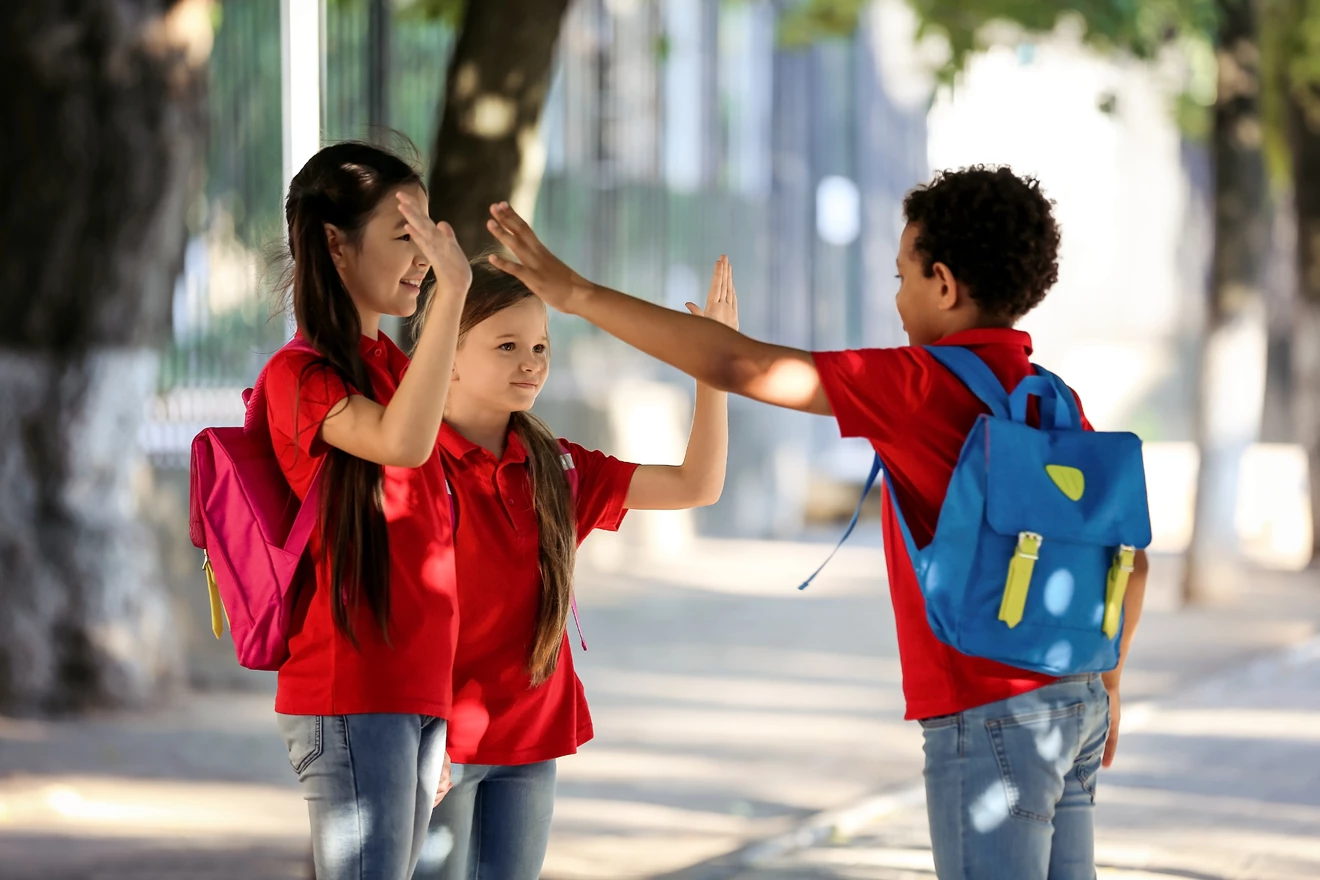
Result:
[
  {"x": 487, "y": 428},
  {"x": 973, "y": 320}
]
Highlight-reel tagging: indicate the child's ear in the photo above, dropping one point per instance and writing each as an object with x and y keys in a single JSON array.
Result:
[
  {"x": 334, "y": 242},
  {"x": 950, "y": 292}
]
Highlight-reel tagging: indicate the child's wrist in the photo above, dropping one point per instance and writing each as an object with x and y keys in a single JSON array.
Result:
[{"x": 579, "y": 297}]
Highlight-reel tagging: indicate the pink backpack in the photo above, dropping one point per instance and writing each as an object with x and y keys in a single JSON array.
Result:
[{"x": 252, "y": 530}]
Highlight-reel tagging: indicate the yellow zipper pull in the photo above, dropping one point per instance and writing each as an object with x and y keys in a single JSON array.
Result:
[
  {"x": 217, "y": 607},
  {"x": 1119, "y": 573},
  {"x": 1020, "y": 568}
]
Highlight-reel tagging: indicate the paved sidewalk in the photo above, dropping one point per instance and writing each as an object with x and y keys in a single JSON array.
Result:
[
  {"x": 729, "y": 708},
  {"x": 1220, "y": 782}
]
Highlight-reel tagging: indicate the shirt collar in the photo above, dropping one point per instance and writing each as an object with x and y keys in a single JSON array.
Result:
[
  {"x": 380, "y": 349},
  {"x": 375, "y": 349},
  {"x": 461, "y": 447},
  {"x": 980, "y": 336}
]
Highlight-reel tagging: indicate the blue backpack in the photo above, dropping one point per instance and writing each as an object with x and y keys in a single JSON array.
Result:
[{"x": 1037, "y": 534}]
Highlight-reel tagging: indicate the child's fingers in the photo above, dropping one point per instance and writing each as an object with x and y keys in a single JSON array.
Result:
[
  {"x": 510, "y": 220},
  {"x": 408, "y": 207},
  {"x": 506, "y": 238},
  {"x": 508, "y": 266},
  {"x": 695, "y": 309}
]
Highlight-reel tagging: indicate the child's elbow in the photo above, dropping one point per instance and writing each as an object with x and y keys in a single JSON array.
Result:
[
  {"x": 409, "y": 453},
  {"x": 735, "y": 373},
  {"x": 709, "y": 493}
]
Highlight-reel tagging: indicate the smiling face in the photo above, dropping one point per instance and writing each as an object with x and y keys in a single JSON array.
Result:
[
  {"x": 502, "y": 362},
  {"x": 383, "y": 269}
]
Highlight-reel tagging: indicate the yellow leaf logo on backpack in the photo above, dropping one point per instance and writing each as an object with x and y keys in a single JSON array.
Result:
[{"x": 1070, "y": 480}]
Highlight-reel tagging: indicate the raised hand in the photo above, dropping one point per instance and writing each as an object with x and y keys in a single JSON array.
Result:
[
  {"x": 722, "y": 300},
  {"x": 544, "y": 274},
  {"x": 437, "y": 243}
]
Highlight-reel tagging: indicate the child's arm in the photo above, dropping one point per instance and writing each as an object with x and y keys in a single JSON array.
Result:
[
  {"x": 699, "y": 480},
  {"x": 403, "y": 433},
  {"x": 1133, "y": 600},
  {"x": 711, "y": 353}
]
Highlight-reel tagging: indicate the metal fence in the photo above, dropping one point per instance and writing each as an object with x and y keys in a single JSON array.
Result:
[{"x": 674, "y": 132}]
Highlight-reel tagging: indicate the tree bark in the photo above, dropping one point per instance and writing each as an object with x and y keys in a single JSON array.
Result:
[
  {"x": 1231, "y": 385},
  {"x": 486, "y": 148},
  {"x": 1304, "y": 134},
  {"x": 103, "y": 118}
]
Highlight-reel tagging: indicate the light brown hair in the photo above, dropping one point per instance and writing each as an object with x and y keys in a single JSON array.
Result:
[{"x": 492, "y": 292}]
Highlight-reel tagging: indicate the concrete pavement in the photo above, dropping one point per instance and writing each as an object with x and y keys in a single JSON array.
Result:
[{"x": 729, "y": 709}]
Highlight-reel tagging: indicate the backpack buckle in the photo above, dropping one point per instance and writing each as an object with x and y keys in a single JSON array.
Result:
[
  {"x": 1116, "y": 587},
  {"x": 1020, "y": 569}
]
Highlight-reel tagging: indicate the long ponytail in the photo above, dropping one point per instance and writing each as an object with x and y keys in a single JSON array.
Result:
[{"x": 556, "y": 524}]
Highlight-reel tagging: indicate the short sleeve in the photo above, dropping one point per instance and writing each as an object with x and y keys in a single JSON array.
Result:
[
  {"x": 603, "y": 483},
  {"x": 300, "y": 393},
  {"x": 874, "y": 392}
]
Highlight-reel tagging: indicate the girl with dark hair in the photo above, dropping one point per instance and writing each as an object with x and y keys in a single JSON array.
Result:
[{"x": 364, "y": 695}]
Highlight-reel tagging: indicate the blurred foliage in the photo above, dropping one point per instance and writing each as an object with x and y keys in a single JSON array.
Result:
[
  {"x": 1143, "y": 29},
  {"x": 1290, "y": 49}
]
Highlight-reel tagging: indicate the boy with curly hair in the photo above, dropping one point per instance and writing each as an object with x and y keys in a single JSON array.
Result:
[{"x": 1011, "y": 755}]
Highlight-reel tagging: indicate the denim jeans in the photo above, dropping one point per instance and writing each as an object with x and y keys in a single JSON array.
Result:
[
  {"x": 369, "y": 781},
  {"x": 1010, "y": 786},
  {"x": 493, "y": 825}
]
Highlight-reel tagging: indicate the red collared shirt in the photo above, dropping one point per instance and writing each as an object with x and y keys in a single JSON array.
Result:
[
  {"x": 917, "y": 415},
  {"x": 498, "y": 717},
  {"x": 325, "y": 674}
]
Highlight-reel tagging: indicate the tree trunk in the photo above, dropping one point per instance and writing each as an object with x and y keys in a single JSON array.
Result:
[
  {"x": 486, "y": 148},
  {"x": 103, "y": 118},
  {"x": 1304, "y": 133},
  {"x": 1232, "y": 369}
]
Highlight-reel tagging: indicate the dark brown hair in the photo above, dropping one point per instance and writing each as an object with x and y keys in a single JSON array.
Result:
[
  {"x": 342, "y": 186},
  {"x": 994, "y": 230},
  {"x": 492, "y": 292}
]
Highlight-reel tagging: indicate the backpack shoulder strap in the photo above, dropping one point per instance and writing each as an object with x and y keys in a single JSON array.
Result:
[
  {"x": 570, "y": 469},
  {"x": 254, "y": 398},
  {"x": 972, "y": 372},
  {"x": 877, "y": 468},
  {"x": 305, "y": 520},
  {"x": 571, "y": 475},
  {"x": 1063, "y": 395}
]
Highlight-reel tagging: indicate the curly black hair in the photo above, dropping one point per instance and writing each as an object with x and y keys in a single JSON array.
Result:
[{"x": 994, "y": 230}]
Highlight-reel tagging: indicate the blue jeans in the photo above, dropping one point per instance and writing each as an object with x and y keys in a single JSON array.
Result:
[
  {"x": 1010, "y": 786},
  {"x": 493, "y": 825},
  {"x": 369, "y": 781}
]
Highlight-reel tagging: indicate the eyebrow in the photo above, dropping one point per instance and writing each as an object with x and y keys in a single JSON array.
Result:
[{"x": 515, "y": 336}]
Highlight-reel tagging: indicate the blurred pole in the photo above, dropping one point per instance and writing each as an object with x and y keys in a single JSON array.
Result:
[
  {"x": 1304, "y": 136},
  {"x": 378, "y": 69},
  {"x": 301, "y": 26},
  {"x": 1232, "y": 370}
]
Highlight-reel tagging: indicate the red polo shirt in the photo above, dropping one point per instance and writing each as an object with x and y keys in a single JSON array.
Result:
[
  {"x": 325, "y": 674},
  {"x": 917, "y": 415},
  {"x": 498, "y": 717}
]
